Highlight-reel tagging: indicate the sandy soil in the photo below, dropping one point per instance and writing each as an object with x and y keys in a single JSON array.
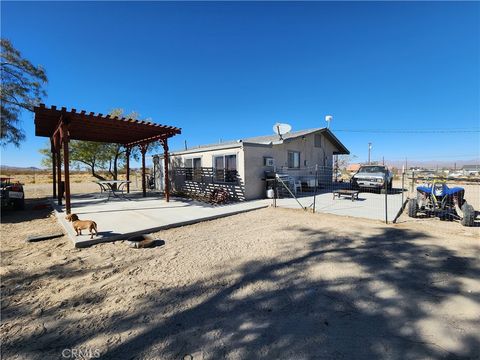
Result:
[
  {"x": 35, "y": 191},
  {"x": 39, "y": 186},
  {"x": 273, "y": 283},
  {"x": 44, "y": 177}
]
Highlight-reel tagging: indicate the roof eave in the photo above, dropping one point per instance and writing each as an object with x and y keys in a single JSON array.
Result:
[
  {"x": 342, "y": 150},
  {"x": 206, "y": 149}
]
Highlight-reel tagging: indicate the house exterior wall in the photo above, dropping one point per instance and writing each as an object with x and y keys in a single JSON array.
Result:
[
  {"x": 250, "y": 164},
  {"x": 309, "y": 157},
  {"x": 236, "y": 190}
]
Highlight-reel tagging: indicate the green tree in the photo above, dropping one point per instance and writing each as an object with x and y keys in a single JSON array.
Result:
[
  {"x": 21, "y": 88},
  {"x": 116, "y": 153},
  {"x": 46, "y": 161},
  {"x": 91, "y": 154}
]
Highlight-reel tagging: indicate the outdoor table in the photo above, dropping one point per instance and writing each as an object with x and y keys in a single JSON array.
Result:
[
  {"x": 345, "y": 192},
  {"x": 108, "y": 187}
]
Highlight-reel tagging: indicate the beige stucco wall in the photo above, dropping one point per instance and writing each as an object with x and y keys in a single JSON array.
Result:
[
  {"x": 254, "y": 168},
  {"x": 250, "y": 160}
]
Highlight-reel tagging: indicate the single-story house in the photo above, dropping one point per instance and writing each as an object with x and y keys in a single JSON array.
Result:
[
  {"x": 241, "y": 166},
  {"x": 471, "y": 170}
]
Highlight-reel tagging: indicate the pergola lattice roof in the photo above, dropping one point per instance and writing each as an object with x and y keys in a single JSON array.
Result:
[
  {"x": 61, "y": 126},
  {"x": 98, "y": 127}
]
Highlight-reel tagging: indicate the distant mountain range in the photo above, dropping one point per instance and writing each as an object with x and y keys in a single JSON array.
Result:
[
  {"x": 432, "y": 164},
  {"x": 19, "y": 168}
]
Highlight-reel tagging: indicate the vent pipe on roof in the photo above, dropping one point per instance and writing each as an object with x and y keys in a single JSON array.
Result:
[{"x": 328, "y": 119}]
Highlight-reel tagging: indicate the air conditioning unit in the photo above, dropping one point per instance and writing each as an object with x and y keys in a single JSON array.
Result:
[{"x": 269, "y": 161}]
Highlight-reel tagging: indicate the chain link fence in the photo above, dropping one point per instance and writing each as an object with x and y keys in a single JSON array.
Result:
[
  {"x": 320, "y": 189},
  {"x": 469, "y": 187}
]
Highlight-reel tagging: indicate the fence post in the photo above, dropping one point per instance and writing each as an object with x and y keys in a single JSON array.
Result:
[
  {"x": 315, "y": 188},
  {"x": 275, "y": 191},
  {"x": 413, "y": 182},
  {"x": 386, "y": 199}
]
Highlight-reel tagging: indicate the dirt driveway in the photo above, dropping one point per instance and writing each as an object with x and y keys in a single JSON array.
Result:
[{"x": 273, "y": 283}]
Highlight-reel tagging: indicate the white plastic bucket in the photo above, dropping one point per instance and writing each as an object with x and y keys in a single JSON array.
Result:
[{"x": 270, "y": 193}]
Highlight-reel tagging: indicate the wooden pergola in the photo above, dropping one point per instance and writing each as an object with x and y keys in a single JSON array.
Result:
[{"x": 61, "y": 126}]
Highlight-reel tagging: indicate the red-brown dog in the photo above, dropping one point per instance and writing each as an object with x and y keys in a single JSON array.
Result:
[{"x": 79, "y": 225}]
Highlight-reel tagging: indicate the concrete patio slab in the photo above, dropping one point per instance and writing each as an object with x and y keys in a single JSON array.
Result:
[{"x": 121, "y": 218}]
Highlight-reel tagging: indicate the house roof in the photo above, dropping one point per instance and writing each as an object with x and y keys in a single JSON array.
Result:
[
  {"x": 268, "y": 140},
  {"x": 353, "y": 167}
]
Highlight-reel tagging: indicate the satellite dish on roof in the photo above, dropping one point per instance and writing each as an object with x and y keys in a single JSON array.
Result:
[{"x": 281, "y": 129}]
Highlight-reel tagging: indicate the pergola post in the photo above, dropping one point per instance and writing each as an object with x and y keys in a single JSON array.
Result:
[
  {"x": 127, "y": 154},
  {"x": 57, "y": 142},
  {"x": 143, "y": 149},
  {"x": 61, "y": 125},
  {"x": 165, "y": 169},
  {"x": 65, "y": 140},
  {"x": 54, "y": 168}
]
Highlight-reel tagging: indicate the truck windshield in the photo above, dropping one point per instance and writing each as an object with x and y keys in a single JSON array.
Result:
[{"x": 372, "y": 169}]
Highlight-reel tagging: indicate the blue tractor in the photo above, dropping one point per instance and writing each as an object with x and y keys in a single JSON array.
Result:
[{"x": 437, "y": 199}]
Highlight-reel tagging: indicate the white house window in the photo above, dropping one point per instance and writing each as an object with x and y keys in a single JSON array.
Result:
[
  {"x": 194, "y": 163},
  {"x": 294, "y": 159},
  {"x": 193, "y": 169},
  {"x": 225, "y": 168},
  {"x": 318, "y": 140}
]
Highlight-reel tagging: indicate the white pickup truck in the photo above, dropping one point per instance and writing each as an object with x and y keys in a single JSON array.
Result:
[{"x": 372, "y": 177}]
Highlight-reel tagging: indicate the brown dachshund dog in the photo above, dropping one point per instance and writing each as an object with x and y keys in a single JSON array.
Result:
[{"x": 79, "y": 225}]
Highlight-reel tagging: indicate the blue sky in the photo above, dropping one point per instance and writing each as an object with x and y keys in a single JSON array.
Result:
[{"x": 231, "y": 70}]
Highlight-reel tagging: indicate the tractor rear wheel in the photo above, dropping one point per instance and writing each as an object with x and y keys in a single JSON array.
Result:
[
  {"x": 468, "y": 215},
  {"x": 412, "y": 208}
]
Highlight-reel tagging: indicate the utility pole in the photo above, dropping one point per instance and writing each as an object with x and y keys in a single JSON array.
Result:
[
  {"x": 383, "y": 160},
  {"x": 369, "y": 148}
]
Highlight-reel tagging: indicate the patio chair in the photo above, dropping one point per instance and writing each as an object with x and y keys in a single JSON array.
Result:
[{"x": 297, "y": 185}]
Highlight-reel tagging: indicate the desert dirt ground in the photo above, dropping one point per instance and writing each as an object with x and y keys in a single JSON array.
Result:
[
  {"x": 39, "y": 185},
  {"x": 273, "y": 283}
]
